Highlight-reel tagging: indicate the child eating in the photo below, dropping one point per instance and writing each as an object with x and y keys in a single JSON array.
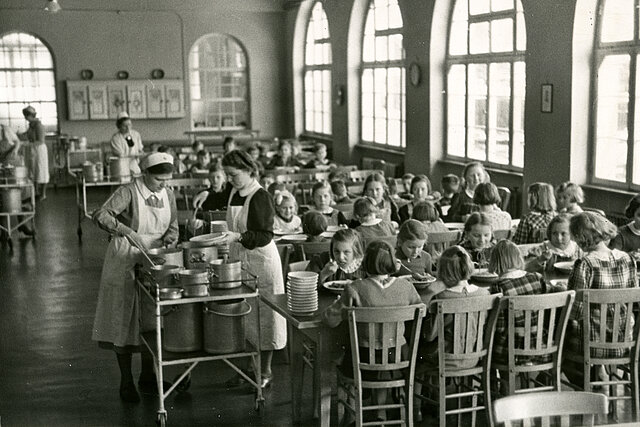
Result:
[
  {"x": 568, "y": 197},
  {"x": 365, "y": 211},
  {"x": 322, "y": 199},
  {"x": 344, "y": 259},
  {"x": 478, "y": 238},
  {"x": 413, "y": 260},
  {"x": 628, "y": 238},
  {"x": 558, "y": 246},
  {"x": 428, "y": 215},
  {"x": 542, "y": 204},
  {"x": 313, "y": 225},
  {"x": 376, "y": 188}
]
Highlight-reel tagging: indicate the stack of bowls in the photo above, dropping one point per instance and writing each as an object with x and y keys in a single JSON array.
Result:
[{"x": 302, "y": 292}]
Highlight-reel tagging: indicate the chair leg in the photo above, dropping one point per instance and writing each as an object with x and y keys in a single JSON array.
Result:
[{"x": 635, "y": 389}]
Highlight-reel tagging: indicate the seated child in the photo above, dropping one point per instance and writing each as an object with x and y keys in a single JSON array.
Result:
[
  {"x": 320, "y": 160},
  {"x": 296, "y": 152},
  {"x": 216, "y": 197},
  {"x": 405, "y": 192},
  {"x": 413, "y": 260},
  {"x": 196, "y": 147},
  {"x": 313, "y": 225},
  {"x": 202, "y": 163},
  {"x": 322, "y": 199},
  {"x": 267, "y": 180},
  {"x": 228, "y": 144},
  {"x": 392, "y": 186},
  {"x": 264, "y": 157},
  {"x": 378, "y": 289},
  {"x": 568, "y": 197},
  {"x": 428, "y": 215},
  {"x": 508, "y": 264},
  {"x": 375, "y": 186},
  {"x": 542, "y": 205},
  {"x": 365, "y": 211},
  {"x": 283, "y": 158},
  {"x": 420, "y": 192},
  {"x": 340, "y": 193},
  {"x": 478, "y": 239},
  {"x": 558, "y": 247},
  {"x": 628, "y": 238},
  {"x": 286, "y": 220},
  {"x": 344, "y": 259},
  {"x": 450, "y": 187}
]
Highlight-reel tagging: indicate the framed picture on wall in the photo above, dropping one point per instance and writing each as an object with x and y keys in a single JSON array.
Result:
[{"x": 546, "y": 98}]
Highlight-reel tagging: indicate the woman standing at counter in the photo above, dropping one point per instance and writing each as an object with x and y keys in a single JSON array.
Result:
[
  {"x": 127, "y": 142},
  {"x": 39, "y": 155},
  {"x": 143, "y": 212},
  {"x": 250, "y": 215}
]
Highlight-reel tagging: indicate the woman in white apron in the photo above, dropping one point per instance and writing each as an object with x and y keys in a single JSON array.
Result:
[
  {"x": 250, "y": 214},
  {"x": 144, "y": 212},
  {"x": 127, "y": 142},
  {"x": 39, "y": 154}
]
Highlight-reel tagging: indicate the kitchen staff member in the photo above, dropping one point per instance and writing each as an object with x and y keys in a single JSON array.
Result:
[
  {"x": 10, "y": 147},
  {"x": 143, "y": 211},
  {"x": 39, "y": 155},
  {"x": 127, "y": 142},
  {"x": 250, "y": 214}
]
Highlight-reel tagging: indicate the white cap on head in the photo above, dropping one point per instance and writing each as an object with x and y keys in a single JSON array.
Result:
[
  {"x": 155, "y": 159},
  {"x": 122, "y": 115}
]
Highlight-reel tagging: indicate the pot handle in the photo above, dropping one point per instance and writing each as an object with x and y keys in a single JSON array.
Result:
[
  {"x": 245, "y": 303},
  {"x": 169, "y": 310}
]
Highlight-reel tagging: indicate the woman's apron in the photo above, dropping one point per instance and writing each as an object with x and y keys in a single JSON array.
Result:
[
  {"x": 265, "y": 263},
  {"x": 117, "y": 313},
  {"x": 39, "y": 157}
]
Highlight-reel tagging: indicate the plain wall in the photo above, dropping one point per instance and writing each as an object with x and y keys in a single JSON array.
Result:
[{"x": 140, "y": 36}]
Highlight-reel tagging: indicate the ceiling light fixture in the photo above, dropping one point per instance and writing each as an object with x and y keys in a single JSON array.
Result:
[{"x": 52, "y": 6}]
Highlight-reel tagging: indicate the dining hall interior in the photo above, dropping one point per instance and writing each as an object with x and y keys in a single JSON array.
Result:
[{"x": 518, "y": 112}]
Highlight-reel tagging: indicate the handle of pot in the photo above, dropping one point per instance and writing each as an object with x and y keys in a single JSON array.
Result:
[
  {"x": 206, "y": 310},
  {"x": 169, "y": 310}
]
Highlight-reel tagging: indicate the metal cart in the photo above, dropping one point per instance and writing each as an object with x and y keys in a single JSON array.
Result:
[
  {"x": 153, "y": 339},
  {"x": 22, "y": 217},
  {"x": 85, "y": 210}
]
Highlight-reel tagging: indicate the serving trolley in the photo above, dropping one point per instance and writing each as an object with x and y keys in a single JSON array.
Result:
[
  {"x": 153, "y": 340},
  {"x": 22, "y": 216}
]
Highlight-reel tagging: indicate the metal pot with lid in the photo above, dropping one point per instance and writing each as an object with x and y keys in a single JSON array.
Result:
[
  {"x": 225, "y": 275},
  {"x": 195, "y": 282},
  {"x": 119, "y": 168},
  {"x": 198, "y": 255}
]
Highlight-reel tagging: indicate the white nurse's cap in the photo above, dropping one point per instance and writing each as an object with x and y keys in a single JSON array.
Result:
[
  {"x": 123, "y": 115},
  {"x": 155, "y": 159}
]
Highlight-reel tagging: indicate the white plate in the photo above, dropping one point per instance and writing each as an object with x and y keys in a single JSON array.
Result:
[
  {"x": 483, "y": 275},
  {"x": 302, "y": 275},
  {"x": 327, "y": 234},
  {"x": 334, "y": 228},
  {"x": 564, "y": 266},
  {"x": 454, "y": 225},
  {"x": 295, "y": 237},
  {"x": 336, "y": 286},
  {"x": 286, "y": 233}
]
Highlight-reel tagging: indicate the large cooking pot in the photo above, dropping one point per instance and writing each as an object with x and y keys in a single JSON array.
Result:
[
  {"x": 182, "y": 326},
  {"x": 90, "y": 172},
  {"x": 195, "y": 276},
  {"x": 11, "y": 199},
  {"x": 224, "y": 326},
  {"x": 165, "y": 276},
  {"x": 19, "y": 174},
  {"x": 161, "y": 256},
  {"x": 225, "y": 275},
  {"x": 119, "y": 167},
  {"x": 198, "y": 255}
]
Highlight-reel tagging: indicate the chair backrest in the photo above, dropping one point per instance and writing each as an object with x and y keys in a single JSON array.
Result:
[
  {"x": 361, "y": 175},
  {"x": 438, "y": 242},
  {"x": 321, "y": 176},
  {"x": 526, "y": 407},
  {"x": 536, "y": 326},
  {"x": 184, "y": 188},
  {"x": 505, "y": 197},
  {"x": 391, "y": 240},
  {"x": 285, "y": 252},
  {"x": 595, "y": 210},
  {"x": 294, "y": 178},
  {"x": 539, "y": 234},
  {"x": 474, "y": 324},
  {"x": 502, "y": 234},
  {"x": 613, "y": 311},
  {"x": 355, "y": 188},
  {"x": 384, "y": 325},
  {"x": 312, "y": 248},
  {"x": 298, "y": 266}
]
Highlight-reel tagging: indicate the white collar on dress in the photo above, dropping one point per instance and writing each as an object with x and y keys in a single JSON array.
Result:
[
  {"x": 146, "y": 193},
  {"x": 250, "y": 188}
]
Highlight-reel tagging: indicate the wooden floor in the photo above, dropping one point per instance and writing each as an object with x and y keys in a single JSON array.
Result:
[{"x": 52, "y": 374}]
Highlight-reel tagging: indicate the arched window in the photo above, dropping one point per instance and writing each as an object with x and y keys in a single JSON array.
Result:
[
  {"x": 616, "y": 133},
  {"x": 317, "y": 73},
  {"x": 383, "y": 76},
  {"x": 27, "y": 77},
  {"x": 219, "y": 86},
  {"x": 485, "y": 82}
]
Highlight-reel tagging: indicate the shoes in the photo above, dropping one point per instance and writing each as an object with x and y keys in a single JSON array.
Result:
[
  {"x": 26, "y": 230},
  {"x": 128, "y": 393},
  {"x": 150, "y": 386},
  {"x": 266, "y": 382},
  {"x": 236, "y": 381}
]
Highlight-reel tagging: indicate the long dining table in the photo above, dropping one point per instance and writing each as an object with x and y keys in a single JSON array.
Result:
[{"x": 328, "y": 343}]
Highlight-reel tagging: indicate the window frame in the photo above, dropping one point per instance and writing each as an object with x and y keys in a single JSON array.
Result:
[
  {"x": 398, "y": 63},
  {"x": 600, "y": 51},
  {"x": 246, "y": 72},
  {"x": 512, "y": 57},
  {"x": 317, "y": 67},
  {"x": 53, "y": 69}
]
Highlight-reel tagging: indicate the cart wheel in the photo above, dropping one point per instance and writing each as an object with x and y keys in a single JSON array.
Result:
[
  {"x": 259, "y": 405},
  {"x": 161, "y": 420},
  {"x": 183, "y": 385}
]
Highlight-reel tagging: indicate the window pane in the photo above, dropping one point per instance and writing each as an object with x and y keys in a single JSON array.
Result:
[
  {"x": 479, "y": 37},
  {"x": 502, "y": 35},
  {"x": 477, "y": 112},
  {"x": 477, "y": 7},
  {"x": 381, "y": 15},
  {"x": 499, "y": 110},
  {"x": 456, "y": 95},
  {"x": 395, "y": 127},
  {"x": 497, "y": 5},
  {"x": 382, "y": 48},
  {"x": 612, "y": 109},
  {"x": 380, "y": 90},
  {"x": 380, "y": 130},
  {"x": 636, "y": 136},
  {"x": 518, "y": 113},
  {"x": 396, "y": 52},
  {"x": 368, "y": 49},
  {"x": 367, "y": 129},
  {"x": 458, "y": 38},
  {"x": 617, "y": 20},
  {"x": 521, "y": 35},
  {"x": 395, "y": 17}
]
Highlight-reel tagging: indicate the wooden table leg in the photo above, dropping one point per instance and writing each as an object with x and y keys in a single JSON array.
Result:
[
  {"x": 325, "y": 373},
  {"x": 296, "y": 374}
]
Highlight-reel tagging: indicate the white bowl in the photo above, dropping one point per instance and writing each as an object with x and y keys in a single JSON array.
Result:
[
  {"x": 304, "y": 275},
  {"x": 564, "y": 266}
]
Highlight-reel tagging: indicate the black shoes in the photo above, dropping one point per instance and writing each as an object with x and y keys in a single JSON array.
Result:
[
  {"x": 26, "y": 230},
  {"x": 128, "y": 393},
  {"x": 150, "y": 386}
]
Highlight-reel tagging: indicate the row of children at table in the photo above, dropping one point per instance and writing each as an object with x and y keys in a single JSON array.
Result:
[{"x": 375, "y": 272}]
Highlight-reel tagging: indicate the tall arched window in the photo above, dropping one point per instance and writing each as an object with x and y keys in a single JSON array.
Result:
[
  {"x": 616, "y": 133},
  {"x": 27, "y": 77},
  {"x": 486, "y": 82},
  {"x": 219, "y": 83},
  {"x": 383, "y": 76},
  {"x": 317, "y": 73}
]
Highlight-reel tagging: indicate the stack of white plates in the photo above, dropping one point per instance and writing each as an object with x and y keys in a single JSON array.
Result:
[
  {"x": 302, "y": 292},
  {"x": 218, "y": 226}
]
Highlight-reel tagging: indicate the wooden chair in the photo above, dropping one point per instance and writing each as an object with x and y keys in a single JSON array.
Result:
[
  {"x": 361, "y": 175},
  {"x": 185, "y": 188},
  {"x": 321, "y": 176},
  {"x": 505, "y": 198},
  {"x": 539, "y": 234},
  {"x": 438, "y": 242},
  {"x": 294, "y": 178},
  {"x": 472, "y": 346},
  {"x": 355, "y": 188},
  {"x": 298, "y": 266},
  {"x": 312, "y": 248},
  {"x": 385, "y": 361},
  {"x": 536, "y": 326},
  {"x": 502, "y": 234},
  {"x": 285, "y": 251},
  {"x": 391, "y": 240},
  {"x": 616, "y": 313},
  {"x": 547, "y": 405},
  {"x": 305, "y": 189}
]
